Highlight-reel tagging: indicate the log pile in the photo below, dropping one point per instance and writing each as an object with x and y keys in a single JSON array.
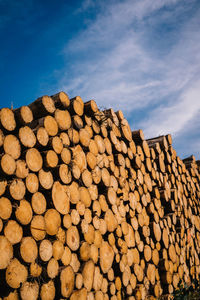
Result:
[{"x": 90, "y": 209}]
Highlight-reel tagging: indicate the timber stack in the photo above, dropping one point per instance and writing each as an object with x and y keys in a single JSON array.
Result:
[{"x": 90, "y": 209}]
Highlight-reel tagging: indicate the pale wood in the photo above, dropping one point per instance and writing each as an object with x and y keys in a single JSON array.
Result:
[
  {"x": 58, "y": 249},
  {"x": 52, "y": 221},
  {"x": 45, "y": 250},
  {"x": 12, "y": 146},
  {"x": 6, "y": 252},
  {"x": 42, "y": 136},
  {"x": 23, "y": 115},
  {"x": 8, "y": 164},
  {"x": 106, "y": 257},
  {"x": 73, "y": 238},
  {"x": 17, "y": 189},
  {"x": 48, "y": 291},
  {"x": 61, "y": 99},
  {"x": 16, "y": 273},
  {"x": 35, "y": 269},
  {"x": 88, "y": 275},
  {"x": 57, "y": 144},
  {"x": 24, "y": 212},
  {"x": 28, "y": 249},
  {"x": 13, "y": 231},
  {"x": 45, "y": 179},
  {"x": 51, "y": 159},
  {"x": 67, "y": 279},
  {"x": 38, "y": 203},
  {"x": 5, "y": 208},
  {"x": 27, "y": 137},
  {"x": 73, "y": 192},
  {"x": 38, "y": 227},
  {"x": 7, "y": 119},
  {"x": 42, "y": 106},
  {"x": 21, "y": 169},
  {"x": 77, "y": 106},
  {"x": 34, "y": 159},
  {"x": 60, "y": 198},
  {"x": 3, "y": 185},
  {"x": 29, "y": 290},
  {"x": 63, "y": 119}
]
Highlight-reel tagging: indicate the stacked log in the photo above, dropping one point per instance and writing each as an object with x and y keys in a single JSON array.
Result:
[{"x": 90, "y": 209}]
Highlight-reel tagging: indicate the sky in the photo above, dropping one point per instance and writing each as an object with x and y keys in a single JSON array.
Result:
[{"x": 140, "y": 56}]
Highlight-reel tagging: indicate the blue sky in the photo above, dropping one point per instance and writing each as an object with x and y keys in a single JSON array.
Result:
[{"x": 142, "y": 57}]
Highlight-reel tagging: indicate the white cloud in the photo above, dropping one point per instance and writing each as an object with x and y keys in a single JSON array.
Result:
[
  {"x": 118, "y": 65},
  {"x": 173, "y": 118}
]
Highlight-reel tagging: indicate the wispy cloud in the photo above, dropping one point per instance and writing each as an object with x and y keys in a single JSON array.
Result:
[{"x": 134, "y": 56}]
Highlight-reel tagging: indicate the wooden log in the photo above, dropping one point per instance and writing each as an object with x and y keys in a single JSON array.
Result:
[
  {"x": 38, "y": 227},
  {"x": 16, "y": 273},
  {"x": 8, "y": 165},
  {"x": 48, "y": 291},
  {"x": 88, "y": 275},
  {"x": 52, "y": 221},
  {"x": 51, "y": 159},
  {"x": 17, "y": 189},
  {"x": 76, "y": 106},
  {"x": 67, "y": 281},
  {"x": 32, "y": 183},
  {"x": 106, "y": 257},
  {"x": 29, "y": 290},
  {"x": 5, "y": 208},
  {"x": 23, "y": 115},
  {"x": 138, "y": 136},
  {"x": 28, "y": 249},
  {"x": 77, "y": 122},
  {"x": 45, "y": 250},
  {"x": 21, "y": 169},
  {"x": 13, "y": 232},
  {"x": 73, "y": 238},
  {"x": 45, "y": 179},
  {"x": 12, "y": 146},
  {"x": 61, "y": 100},
  {"x": 24, "y": 212},
  {"x": 42, "y": 106},
  {"x": 27, "y": 137},
  {"x": 42, "y": 136},
  {"x": 63, "y": 119},
  {"x": 7, "y": 119},
  {"x": 34, "y": 159},
  {"x": 6, "y": 252}
]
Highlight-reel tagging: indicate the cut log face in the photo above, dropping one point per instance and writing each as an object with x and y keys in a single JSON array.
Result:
[
  {"x": 34, "y": 159},
  {"x": 5, "y": 208},
  {"x": 28, "y": 249},
  {"x": 27, "y": 137},
  {"x": 29, "y": 290},
  {"x": 6, "y": 252},
  {"x": 106, "y": 257},
  {"x": 61, "y": 99},
  {"x": 52, "y": 221},
  {"x": 16, "y": 273},
  {"x": 8, "y": 164},
  {"x": 7, "y": 119},
  {"x": 12, "y": 146},
  {"x": 72, "y": 238},
  {"x": 24, "y": 212},
  {"x": 60, "y": 198},
  {"x": 24, "y": 115},
  {"x": 13, "y": 231},
  {"x": 67, "y": 281},
  {"x": 91, "y": 208}
]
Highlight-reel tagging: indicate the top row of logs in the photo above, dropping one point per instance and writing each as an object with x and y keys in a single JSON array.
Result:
[{"x": 42, "y": 107}]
